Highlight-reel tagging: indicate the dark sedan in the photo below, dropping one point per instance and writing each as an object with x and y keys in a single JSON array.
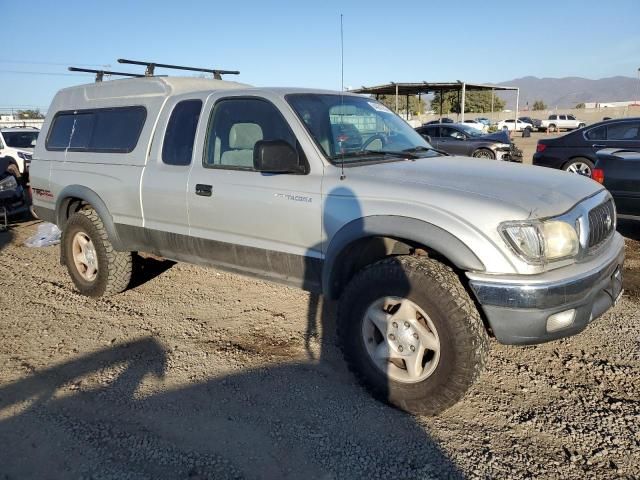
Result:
[
  {"x": 619, "y": 172},
  {"x": 457, "y": 139},
  {"x": 575, "y": 152},
  {"x": 536, "y": 122}
]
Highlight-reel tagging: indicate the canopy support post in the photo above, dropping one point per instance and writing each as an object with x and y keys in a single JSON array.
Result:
[
  {"x": 464, "y": 95},
  {"x": 397, "y": 109}
]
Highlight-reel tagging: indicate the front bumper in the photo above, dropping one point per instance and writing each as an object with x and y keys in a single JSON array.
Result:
[{"x": 518, "y": 310}]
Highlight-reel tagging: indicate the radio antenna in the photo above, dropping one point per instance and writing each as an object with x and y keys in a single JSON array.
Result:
[{"x": 342, "y": 175}]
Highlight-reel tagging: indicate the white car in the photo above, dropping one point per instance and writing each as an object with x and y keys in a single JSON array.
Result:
[
  {"x": 16, "y": 144},
  {"x": 561, "y": 122},
  {"x": 510, "y": 125},
  {"x": 477, "y": 125}
]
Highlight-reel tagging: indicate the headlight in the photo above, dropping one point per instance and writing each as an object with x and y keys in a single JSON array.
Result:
[
  {"x": 541, "y": 242},
  {"x": 503, "y": 146},
  {"x": 24, "y": 156},
  {"x": 8, "y": 183}
]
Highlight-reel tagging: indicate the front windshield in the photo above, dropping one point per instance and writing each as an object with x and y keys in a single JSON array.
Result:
[
  {"x": 20, "y": 139},
  {"x": 472, "y": 132},
  {"x": 356, "y": 128}
]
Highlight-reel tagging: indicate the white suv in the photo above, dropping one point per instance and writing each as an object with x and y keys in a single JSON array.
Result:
[{"x": 16, "y": 144}]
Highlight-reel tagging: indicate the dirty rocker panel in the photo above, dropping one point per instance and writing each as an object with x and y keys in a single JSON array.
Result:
[{"x": 295, "y": 270}]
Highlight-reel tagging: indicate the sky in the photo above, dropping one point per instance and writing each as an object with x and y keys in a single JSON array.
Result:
[{"x": 297, "y": 43}]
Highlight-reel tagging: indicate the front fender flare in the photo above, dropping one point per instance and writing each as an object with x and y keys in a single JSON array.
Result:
[{"x": 402, "y": 228}]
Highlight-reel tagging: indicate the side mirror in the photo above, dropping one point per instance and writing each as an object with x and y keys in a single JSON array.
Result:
[
  {"x": 33, "y": 143},
  {"x": 276, "y": 156}
]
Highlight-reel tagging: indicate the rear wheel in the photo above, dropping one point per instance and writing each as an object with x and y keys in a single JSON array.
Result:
[
  {"x": 581, "y": 166},
  {"x": 411, "y": 333},
  {"x": 94, "y": 266},
  {"x": 484, "y": 153},
  {"x": 551, "y": 128}
]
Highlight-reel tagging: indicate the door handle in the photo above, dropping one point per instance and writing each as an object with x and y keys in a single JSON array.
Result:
[
  {"x": 204, "y": 190},
  {"x": 598, "y": 145}
]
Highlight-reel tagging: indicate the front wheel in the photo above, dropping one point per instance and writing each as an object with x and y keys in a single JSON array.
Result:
[
  {"x": 484, "y": 153},
  {"x": 411, "y": 334},
  {"x": 94, "y": 266}
]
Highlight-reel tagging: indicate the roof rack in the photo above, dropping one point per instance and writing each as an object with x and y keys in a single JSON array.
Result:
[
  {"x": 101, "y": 73},
  {"x": 150, "y": 67}
]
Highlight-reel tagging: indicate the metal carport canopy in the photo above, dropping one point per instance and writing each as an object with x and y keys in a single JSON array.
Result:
[{"x": 420, "y": 88}]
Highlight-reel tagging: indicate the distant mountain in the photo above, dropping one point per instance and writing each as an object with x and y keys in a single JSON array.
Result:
[{"x": 569, "y": 91}]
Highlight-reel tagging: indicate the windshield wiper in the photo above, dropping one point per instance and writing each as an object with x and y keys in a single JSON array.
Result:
[
  {"x": 368, "y": 153},
  {"x": 403, "y": 153},
  {"x": 421, "y": 148}
]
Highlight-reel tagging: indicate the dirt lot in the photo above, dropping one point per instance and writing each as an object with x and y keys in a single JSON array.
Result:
[{"x": 202, "y": 374}]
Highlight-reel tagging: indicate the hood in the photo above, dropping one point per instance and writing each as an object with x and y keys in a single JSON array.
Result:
[
  {"x": 500, "y": 136},
  {"x": 536, "y": 192}
]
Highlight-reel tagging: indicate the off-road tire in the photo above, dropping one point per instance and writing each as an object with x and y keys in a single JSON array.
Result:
[
  {"x": 114, "y": 268},
  {"x": 438, "y": 291},
  {"x": 551, "y": 128}
]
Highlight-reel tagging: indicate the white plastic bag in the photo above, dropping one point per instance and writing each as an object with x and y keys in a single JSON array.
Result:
[{"x": 48, "y": 234}]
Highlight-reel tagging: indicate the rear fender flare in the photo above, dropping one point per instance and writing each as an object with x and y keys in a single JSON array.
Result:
[{"x": 92, "y": 198}]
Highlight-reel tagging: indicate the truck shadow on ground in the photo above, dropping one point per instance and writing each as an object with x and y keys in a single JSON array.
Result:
[
  {"x": 91, "y": 417},
  {"x": 147, "y": 268}
]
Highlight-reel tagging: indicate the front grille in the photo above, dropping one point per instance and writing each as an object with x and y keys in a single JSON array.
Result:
[{"x": 601, "y": 223}]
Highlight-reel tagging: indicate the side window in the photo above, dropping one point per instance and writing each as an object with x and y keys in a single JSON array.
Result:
[
  {"x": 624, "y": 131},
  {"x": 117, "y": 129},
  {"x": 114, "y": 130},
  {"x": 236, "y": 125},
  {"x": 177, "y": 147},
  {"x": 432, "y": 131},
  {"x": 60, "y": 132},
  {"x": 570, "y": 117},
  {"x": 598, "y": 133},
  {"x": 553, "y": 117},
  {"x": 452, "y": 133}
]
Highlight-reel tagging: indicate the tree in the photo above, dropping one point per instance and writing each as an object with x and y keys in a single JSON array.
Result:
[
  {"x": 29, "y": 114},
  {"x": 539, "y": 105},
  {"x": 580, "y": 105},
  {"x": 478, "y": 102},
  {"x": 415, "y": 105}
]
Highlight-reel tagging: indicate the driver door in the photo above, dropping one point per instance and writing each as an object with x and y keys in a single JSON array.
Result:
[{"x": 452, "y": 141}]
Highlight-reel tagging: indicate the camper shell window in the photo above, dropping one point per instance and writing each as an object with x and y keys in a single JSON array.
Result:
[{"x": 106, "y": 130}]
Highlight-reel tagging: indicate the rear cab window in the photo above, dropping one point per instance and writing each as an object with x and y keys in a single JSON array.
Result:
[
  {"x": 112, "y": 130},
  {"x": 177, "y": 148}
]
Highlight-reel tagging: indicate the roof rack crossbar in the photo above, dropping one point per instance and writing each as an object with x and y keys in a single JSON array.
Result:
[
  {"x": 150, "y": 67},
  {"x": 101, "y": 73}
]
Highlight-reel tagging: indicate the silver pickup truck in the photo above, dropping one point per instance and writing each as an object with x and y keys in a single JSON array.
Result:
[{"x": 428, "y": 255}]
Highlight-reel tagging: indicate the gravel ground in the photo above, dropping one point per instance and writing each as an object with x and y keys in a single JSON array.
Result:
[{"x": 197, "y": 373}]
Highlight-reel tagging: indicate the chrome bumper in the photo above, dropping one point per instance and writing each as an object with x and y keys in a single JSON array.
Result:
[{"x": 518, "y": 310}]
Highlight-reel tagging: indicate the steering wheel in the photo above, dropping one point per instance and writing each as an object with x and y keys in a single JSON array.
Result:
[{"x": 373, "y": 138}]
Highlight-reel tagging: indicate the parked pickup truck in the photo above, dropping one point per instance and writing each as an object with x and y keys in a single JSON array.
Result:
[
  {"x": 555, "y": 123},
  {"x": 427, "y": 255}
]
